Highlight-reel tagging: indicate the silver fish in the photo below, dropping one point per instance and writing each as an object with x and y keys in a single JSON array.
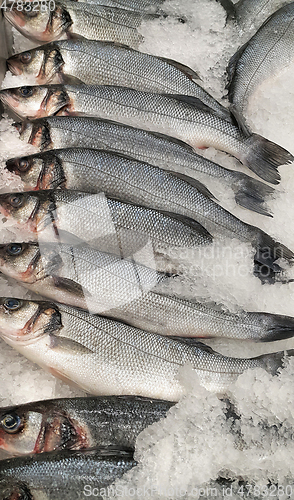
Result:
[
  {"x": 73, "y": 19},
  {"x": 267, "y": 53},
  {"x": 77, "y": 423},
  {"x": 103, "y": 356},
  {"x": 136, "y": 182},
  {"x": 64, "y": 474},
  {"x": 106, "y": 224},
  {"x": 57, "y": 132},
  {"x": 106, "y": 63},
  {"x": 196, "y": 124},
  {"x": 102, "y": 283}
]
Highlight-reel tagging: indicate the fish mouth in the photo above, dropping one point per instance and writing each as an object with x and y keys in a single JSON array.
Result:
[
  {"x": 13, "y": 67},
  {"x": 8, "y": 99}
]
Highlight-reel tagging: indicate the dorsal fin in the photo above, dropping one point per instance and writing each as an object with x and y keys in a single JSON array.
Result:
[
  {"x": 189, "y": 72},
  {"x": 193, "y": 182}
]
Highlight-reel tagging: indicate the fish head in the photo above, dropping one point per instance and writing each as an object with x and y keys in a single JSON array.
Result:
[
  {"x": 37, "y": 172},
  {"x": 35, "y": 101},
  {"x": 43, "y": 64},
  {"x": 39, "y": 22},
  {"x": 22, "y": 261},
  {"x": 24, "y": 209},
  {"x": 36, "y": 133}
]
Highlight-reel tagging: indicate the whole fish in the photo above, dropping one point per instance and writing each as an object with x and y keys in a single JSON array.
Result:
[
  {"x": 136, "y": 182},
  {"x": 86, "y": 278},
  {"x": 266, "y": 54},
  {"x": 77, "y": 423},
  {"x": 65, "y": 474},
  {"x": 65, "y": 19},
  {"x": 106, "y": 224},
  {"x": 57, "y": 132},
  {"x": 103, "y": 356},
  {"x": 196, "y": 124},
  {"x": 106, "y": 63}
]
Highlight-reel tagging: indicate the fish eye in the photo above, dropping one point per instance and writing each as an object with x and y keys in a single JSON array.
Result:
[
  {"x": 12, "y": 304},
  {"x": 23, "y": 165},
  {"x": 14, "y": 249},
  {"x": 16, "y": 200},
  {"x": 26, "y": 57},
  {"x": 26, "y": 91},
  {"x": 11, "y": 423}
]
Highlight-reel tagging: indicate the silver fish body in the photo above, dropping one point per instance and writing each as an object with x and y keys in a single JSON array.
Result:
[
  {"x": 103, "y": 356},
  {"x": 104, "y": 223},
  {"x": 143, "y": 184},
  {"x": 105, "y": 63},
  {"x": 75, "y": 19},
  {"x": 102, "y": 283},
  {"x": 64, "y": 474},
  {"x": 196, "y": 124},
  {"x": 266, "y": 54},
  {"x": 162, "y": 151},
  {"x": 77, "y": 423}
]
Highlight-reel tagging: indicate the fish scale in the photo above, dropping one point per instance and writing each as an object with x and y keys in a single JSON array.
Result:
[
  {"x": 267, "y": 53},
  {"x": 102, "y": 283},
  {"x": 103, "y": 356}
]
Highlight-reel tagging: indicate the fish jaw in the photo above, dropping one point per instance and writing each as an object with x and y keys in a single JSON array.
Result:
[
  {"x": 22, "y": 261},
  {"x": 35, "y": 102}
]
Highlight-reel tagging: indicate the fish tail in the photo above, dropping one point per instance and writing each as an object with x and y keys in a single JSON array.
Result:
[
  {"x": 268, "y": 250},
  {"x": 264, "y": 157},
  {"x": 272, "y": 363},
  {"x": 278, "y": 328},
  {"x": 251, "y": 193}
]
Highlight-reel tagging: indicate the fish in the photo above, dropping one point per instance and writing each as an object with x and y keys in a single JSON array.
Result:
[
  {"x": 105, "y": 357},
  {"x": 162, "y": 151},
  {"x": 67, "y": 474},
  {"x": 194, "y": 123},
  {"x": 132, "y": 181},
  {"x": 65, "y": 19},
  {"x": 77, "y": 423},
  {"x": 104, "y": 223},
  {"x": 137, "y": 5},
  {"x": 266, "y": 54},
  {"x": 129, "y": 292},
  {"x": 107, "y": 63}
]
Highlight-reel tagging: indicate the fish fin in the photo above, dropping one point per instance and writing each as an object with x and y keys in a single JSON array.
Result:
[
  {"x": 190, "y": 73},
  {"x": 251, "y": 193},
  {"x": 189, "y": 222},
  {"x": 229, "y": 7},
  {"x": 264, "y": 157},
  {"x": 70, "y": 286},
  {"x": 193, "y": 101},
  {"x": 272, "y": 363},
  {"x": 193, "y": 342},
  {"x": 279, "y": 328},
  {"x": 71, "y": 80},
  {"x": 66, "y": 344},
  {"x": 239, "y": 120},
  {"x": 269, "y": 250},
  {"x": 193, "y": 182},
  {"x": 75, "y": 36}
]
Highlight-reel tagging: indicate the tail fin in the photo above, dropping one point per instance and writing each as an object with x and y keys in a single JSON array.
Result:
[
  {"x": 264, "y": 157},
  {"x": 273, "y": 362},
  {"x": 251, "y": 194},
  {"x": 277, "y": 327},
  {"x": 269, "y": 250}
]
